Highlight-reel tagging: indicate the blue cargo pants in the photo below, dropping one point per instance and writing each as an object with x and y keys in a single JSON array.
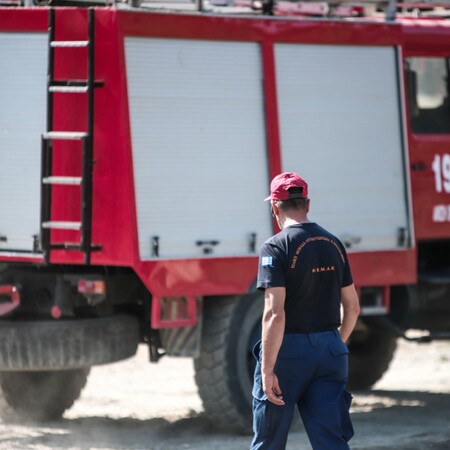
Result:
[{"x": 312, "y": 371}]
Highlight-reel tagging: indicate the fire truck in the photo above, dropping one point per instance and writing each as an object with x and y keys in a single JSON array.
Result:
[{"x": 137, "y": 144}]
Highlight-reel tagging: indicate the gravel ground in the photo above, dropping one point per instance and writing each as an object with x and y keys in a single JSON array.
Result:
[{"x": 137, "y": 405}]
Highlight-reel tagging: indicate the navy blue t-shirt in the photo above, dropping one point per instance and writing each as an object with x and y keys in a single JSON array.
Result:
[{"x": 312, "y": 265}]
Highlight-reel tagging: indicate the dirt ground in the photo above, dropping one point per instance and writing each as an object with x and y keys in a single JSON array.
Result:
[{"x": 137, "y": 405}]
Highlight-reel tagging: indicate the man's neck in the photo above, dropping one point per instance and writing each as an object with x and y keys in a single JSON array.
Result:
[{"x": 288, "y": 221}]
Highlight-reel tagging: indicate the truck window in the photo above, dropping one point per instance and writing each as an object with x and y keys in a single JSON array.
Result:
[{"x": 428, "y": 88}]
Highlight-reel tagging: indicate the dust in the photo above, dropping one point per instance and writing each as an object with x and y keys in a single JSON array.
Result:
[{"x": 135, "y": 405}]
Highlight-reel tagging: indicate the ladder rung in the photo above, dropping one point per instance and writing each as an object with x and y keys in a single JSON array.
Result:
[
  {"x": 73, "y": 246},
  {"x": 66, "y": 246},
  {"x": 69, "y": 89},
  {"x": 64, "y": 135},
  {"x": 62, "y": 225},
  {"x": 69, "y": 43},
  {"x": 62, "y": 180}
]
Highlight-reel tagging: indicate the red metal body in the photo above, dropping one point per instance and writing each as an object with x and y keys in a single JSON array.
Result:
[
  {"x": 431, "y": 39},
  {"x": 114, "y": 210},
  {"x": 13, "y": 299}
]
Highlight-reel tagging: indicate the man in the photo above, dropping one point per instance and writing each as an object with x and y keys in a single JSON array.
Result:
[{"x": 302, "y": 359}]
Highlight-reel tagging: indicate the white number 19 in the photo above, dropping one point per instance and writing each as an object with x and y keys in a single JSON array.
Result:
[{"x": 441, "y": 169}]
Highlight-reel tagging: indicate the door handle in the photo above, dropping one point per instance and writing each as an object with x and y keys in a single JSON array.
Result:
[
  {"x": 349, "y": 240},
  {"x": 419, "y": 166}
]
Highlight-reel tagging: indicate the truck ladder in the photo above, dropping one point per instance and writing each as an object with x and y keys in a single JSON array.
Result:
[{"x": 83, "y": 87}]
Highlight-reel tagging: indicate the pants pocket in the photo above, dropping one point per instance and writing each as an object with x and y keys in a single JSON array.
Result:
[
  {"x": 262, "y": 409},
  {"x": 257, "y": 350},
  {"x": 262, "y": 419},
  {"x": 347, "y": 427},
  {"x": 338, "y": 348}
]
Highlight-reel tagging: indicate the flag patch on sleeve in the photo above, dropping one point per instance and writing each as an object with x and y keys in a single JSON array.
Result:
[{"x": 266, "y": 261}]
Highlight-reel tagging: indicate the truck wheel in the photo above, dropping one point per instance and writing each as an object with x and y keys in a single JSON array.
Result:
[
  {"x": 66, "y": 344},
  {"x": 44, "y": 364},
  {"x": 370, "y": 355},
  {"x": 224, "y": 370},
  {"x": 40, "y": 396}
]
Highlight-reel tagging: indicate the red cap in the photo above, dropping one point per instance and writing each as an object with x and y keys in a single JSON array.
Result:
[{"x": 279, "y": 188}]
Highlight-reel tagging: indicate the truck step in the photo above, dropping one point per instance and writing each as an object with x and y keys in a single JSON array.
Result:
[
  {"x": 62, "y": 180},
  {"x": 62, "y": 225},
  {"x": 69, "y": 44},
  {"x": 69, "y": 89},
  {"x": 68, "y": 135}
]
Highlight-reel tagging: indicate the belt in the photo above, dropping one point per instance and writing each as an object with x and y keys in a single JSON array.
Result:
[{"x": 314, "y": 330}]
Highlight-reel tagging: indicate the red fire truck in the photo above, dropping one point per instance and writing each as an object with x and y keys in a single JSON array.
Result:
[{"x": 137, "y": 144}]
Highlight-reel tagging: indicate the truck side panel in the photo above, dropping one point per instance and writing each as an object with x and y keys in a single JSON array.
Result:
[
  {"x": 341, "y": 127},
  {"x": 199, "y": 152},
  {"x": 117, "y": 197},
  {"x": 22, "y": 119}
]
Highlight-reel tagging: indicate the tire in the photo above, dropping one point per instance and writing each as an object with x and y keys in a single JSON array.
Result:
[
  {"x": 224, "y": 370},
  {"x": 370, "y": 356},
  {"x": 39, "y": 396},
  {"x": 66, "y": 344}
]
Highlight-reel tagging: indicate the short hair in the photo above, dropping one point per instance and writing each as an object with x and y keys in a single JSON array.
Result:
[{"x": 293, "y": 203}]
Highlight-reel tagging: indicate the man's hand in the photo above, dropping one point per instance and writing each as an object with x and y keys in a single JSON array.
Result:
[{"x": 272, "y": 389}]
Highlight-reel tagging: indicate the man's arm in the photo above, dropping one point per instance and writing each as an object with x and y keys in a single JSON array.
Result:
[
  {"x": 350, "y": 304},
  {"x": 272, "y": 337}
]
